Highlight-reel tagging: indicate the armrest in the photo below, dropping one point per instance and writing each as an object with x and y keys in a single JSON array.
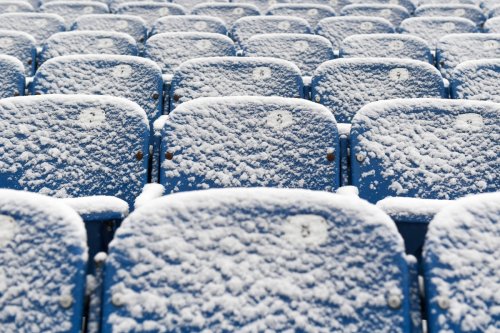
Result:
[
  {"x": 98, "y": 208},
  {"x": 348, "y": 190},
  {"x": 149, "y": 192},
  {"x": 412, "y": 209}
]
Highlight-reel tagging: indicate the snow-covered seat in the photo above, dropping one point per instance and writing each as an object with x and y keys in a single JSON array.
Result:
[
  {"x": 39, "y": 25},
  {"x": 455, "y": 49},
  {"x": 235, "y": 76},
  {"x": 440, "y": 2},
  {"x": 492, "y": 25},
  {"x": 228, "y": 12},
  {"x": 189, "y": 4},
  {"x": 189, "y": 23},
  {"x": 43, "y": 258},
  {"x": 470, "y": 12},
  {"x": 345, "y": 85},
  {"x": 264, "y": 5},
  {"x": 15, "y": 7},
  {"x": 487, "y": 5},
  {"x": 70, "y": 10},
  {"x": 286, "y": 261},
  {"x": 461, "y": 262},
  {"x": 407, "y": 4},
  {"x": 336, "y": 29},
  {"x": 310, "y": 12},
  {"x": 87, "y": 42},
  {"x": 129, "y": 24},
  {"x": 12, "y": 80},
  {"x": 432, "y": 29},
  {"x": 137, "y": 79},
  {"x": 495, "y": 11},
  {"x": 386, "y": 46},
  {"x": 476, "y": 79},
  {"x": 21, "y": 46},
  {"x": 393, "y": 13},
  {"x": 149, "y": 11}
]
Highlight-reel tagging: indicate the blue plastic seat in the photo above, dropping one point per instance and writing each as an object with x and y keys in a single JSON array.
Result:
[
  {"x": 42, "y": 264},
  {"x": 228, "y": 12},
  {"x": 149, "y": 11},
  {"x": 12, "y": 81},
  {"x": 495, "y": 11},
  {"x": 248, "y": 260},
  {"x": 470, "y": 12},
  {"x": 393, "y": 13},
  {"x": 476, "y": 79},
  {"x": 21, "y": 46},
  {"x": 409, "y": 5},
  {"x": 386, "y": 46},
  {"x": 129, "y": 24},
  {"x": 336, "y": 29},
  {"x": 439, "y": 2},
  {"x": 39, "y": 25},
  {"x": 87, "y": 42},
  {"x": 487, "y": 5},
  {"x": 189, "y": 4},
  {"x": 235, "y": 76},
  {"x": 455, "y": 49},
  {"x": 492, "y": 25},
  {"x": 264, "y": 5},
  {"x": 346, "y": 85},
  {"x": 71, "y": 10},
  {"x": 310, "y": 12},
  {"x": 189, "y": 23},
  {"x": 461, "y": 266},
  {"x": 15, "y": 7}
]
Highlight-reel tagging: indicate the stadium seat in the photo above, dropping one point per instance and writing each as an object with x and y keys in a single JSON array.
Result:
[
  {"x": 455, "y": 49},
  {"x": 129, "y": 24},
  {"x": 87, "y": 42},
  {"x": 12, "y": 79},
  {"x": 492, "y": 25},
  {"x": 487, "y": 5},
  {"x": 42, "y": 264},
  {"x": 407, "y": 4},
  {"x": 189, "y": 23},
  {"x": 470, "y": 12},
  {"x": 386, "y": 46},
  {"x": 336, "y": 29},
  {"x": 70, "y": 10},
  {"x": 494, "y": 12},
  {"x": 476, "y": 79},
  {"x": 310, "y": 12},
  {"x": 246, "y": 27},
  {"x": 235, "y": 76},
  {"x": 346, "y": 85},
  {"x": 431, "y": 29},
  {"x": 39, "y": 25},
  {"x": 228, "y": 12},
  {"x": 257, "y": 260},
  {"x": 15, "y": 7},
  {"x": 189, "y": 4},
  {"x": 264, "y": 5},
  {"x": 439, "y": 2},
  {"x": 461, "y": 266},
  {"x": 21, "y": 46},
  {"x": 393, "y": 13},
  {"x": 149, "y": 11}
]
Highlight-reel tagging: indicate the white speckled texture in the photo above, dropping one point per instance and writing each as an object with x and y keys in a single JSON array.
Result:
[
  {"x": 129, "y": 24},
  {"x": 21, "y": 46},
  {"x": 189, "y": 23},
  {"x": 39, "y": 25},
  {"x": 310, "y": 12},
  {"x": 150, "y": 11},
  {"x": 393, "y": 13},
  {"x": 228, "y": 12},
  {"x": 470, "y": 12}
]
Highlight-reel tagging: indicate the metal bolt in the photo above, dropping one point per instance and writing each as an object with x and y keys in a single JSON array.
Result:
[
  {"x": 66, "y": 301},
  {"x": 176, "y": 98},
  {"x": 156, "y": 95},
  {"x": 37, "y": 93},
  {"x": 360, "y": 157},
  {"x": 169, "y": 156},
  {"x": 443, "y": 302},
  {"x": 330, "y": 157},
  {"x": 139, "y": 155},
  {"x": 317, "y": 98},
  {"x": 394, "y": 301},
  {"x": 16, "y": 93},
  {"x": 30, "y": 62}
]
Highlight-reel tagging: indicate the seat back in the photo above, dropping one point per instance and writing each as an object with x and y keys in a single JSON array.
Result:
[
  {"x": 437, "y": 2},
  {"x": 189, "y": 23},
  {"x": 12, "y": 80},
  {"x": 15, "y": 7},
  {"x": 461, "y": 266},
  {"x": 494, "y": 12},
  {"x": 310, "y": 12},
  {"x": 372, "y": 79},
  {"x": 21, "y": 46},
  {"x": 280, "y": 260},
  {"x": 492, "y": 25},
  {"x": 129, "y": 24},
  {"x": 425, "y": 148},
  {"x": 70, "y": 10},
  {"x": 43, "y": 257},
  {"x": 189, "y": 4},
  {"x": 228, "y": 12},
  {"x": 393, "y": 13},
  {"x": 264, "y": 5},
  {"x": 386, "y": 46},
  {"x": 235, "y": 76},
  {"x": 39, "y": 25},
  {"x": 477, "y": 79},
  {"x": 407, "y": 4},
  {"x": 149, "y": 11},
  {"x": 470, "y": 12}
]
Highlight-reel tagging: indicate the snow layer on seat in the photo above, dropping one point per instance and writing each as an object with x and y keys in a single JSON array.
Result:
[
  {"x": 470, "y": 12},
  {"x": 393, "y": 13},
  {"x": 249, "y": 141},
  {"x": 129, "y": 24},
  {"x": 432, "y": 29},
  {"x": 73, "y": 146},
  {"x": 87, "y": 42},
  {"x": 15, "y": 7},
  {"x": 256, "y": 260},
  {"x": 12, "y": 79},
  {"x": 492, "y": 25},
  {"x": 455, "y": 49},
  {"x": 43, "y": 255},
  {"x": 461, "y": 265},
  {"x": 150, "y": 11},
  {"x": 425, "y": 148},
  {"x": 487, "y": 5},
  {"x": 407, "y": 4},
  {"x": 310, "y": 12},
  {"x": 494, "y": 12},
  {"x": 440, "y": 2},
  {"x": 346, "y": 85},
  {"x": 134, "y": 78},
  {"x": 39, "y": 25},
  {"x": 21, "y": 46},
  {"x": 306, "y": 51},
  {"x": 264, "y": 5},
  {"x": 70, "y": 10},
  {"x": 228, "y": 12},
  {"x": 189, "y": 4},
  {"x": 235, "y": 76},
  {"x": 386, "y": 46},
  {"x": 247, "y": 27},
  {"x": 336, "y": 29},
  {"x": 169, "y": 50},
  {"x": 189, "y": 23},
  {"x": 477, "y": 79}
]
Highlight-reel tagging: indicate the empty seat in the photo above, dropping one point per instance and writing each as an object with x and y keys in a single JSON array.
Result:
[
  {"x": 39, "y": 25},
  {"x": 487, "y": 5},
  {"x": 169, "y": 50},
  {"x": 129, "y": 24},
  {"x": 336, "y": 29},
  {"x": 42, "y": 264},
  {"x": 12, "y": 79},
  {"x": 346, "y": 85},
  {"x": 431, "y": 29},
  {"x": 21, "y": 46},
  {"x": 189, "y": 23},
  {"x": 70, "y": 10},
  {"x": 228, "y": 12},
  {"x": 264, "y": 5},
  {"x": 393, "y": 13},
  {"x": 15, "y": 6},
  {"x": 310, "y": 12},
  {"x": 235, "y": 76},
  {"x": 189, "y": 4},
  {"x": 477, "y": 79},
  {"x": 494, "y": 12},
  {"x": 134, "y": 78},
  {"x": 149, "y": 11},
  {"x": 407, "y": 4},
  {"x": 87, "y": 42},
  {"x": 425, "y": 148},
  {"x": 492, "y": 25},
  {"x": 470, "y": 12},
  {"x": 455, "y": 49},
  {"x": 266, "y": 260},
  {"x": 386, "y": 46},
  {"x": 439, "y": 2},
  {"x": 306, "y": 51},
  {"x": 461, "y": 266}
]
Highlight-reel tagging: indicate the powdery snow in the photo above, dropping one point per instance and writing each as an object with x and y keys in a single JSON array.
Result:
[
  {"x": 20, "y": 45},
  {"x": 312, "y": 13},
  {"x": 149, "y": 11},
  {"x": 412, "y": 209},
  {"x": 189, "y": 4},
  {"x": 12, "y": 78},
  {"x": 470, "y": 12},
  {"x": 39, "y": 25},
  {"x": 492, "y": 25},
  {"x": 189, "y": 23},
  {"x": 150, "y": 192},
  {"x": 228, "y": 12},
  {"x": 129, "y": 24},
  {"x": 477, "y": 79},
  {"x": 98, "y": 204},
  {"x": 69, "y": 11},
  {"x": 393, "y": 13},
  {"x": 15, "y": 7}
]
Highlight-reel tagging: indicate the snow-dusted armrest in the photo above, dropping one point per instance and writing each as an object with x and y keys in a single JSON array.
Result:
[
  {"x": 344, "y": 129},
  {"x": 149, "y": 192},
  {"x": 167, "y": 78},
  {"x": 412, "y": 209},
  {"x": 446, "y": 84},
  {"x": 348, "y": 190},
  {"x": 98, "y": 208},
  {"x": 159, "y": 124}
]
